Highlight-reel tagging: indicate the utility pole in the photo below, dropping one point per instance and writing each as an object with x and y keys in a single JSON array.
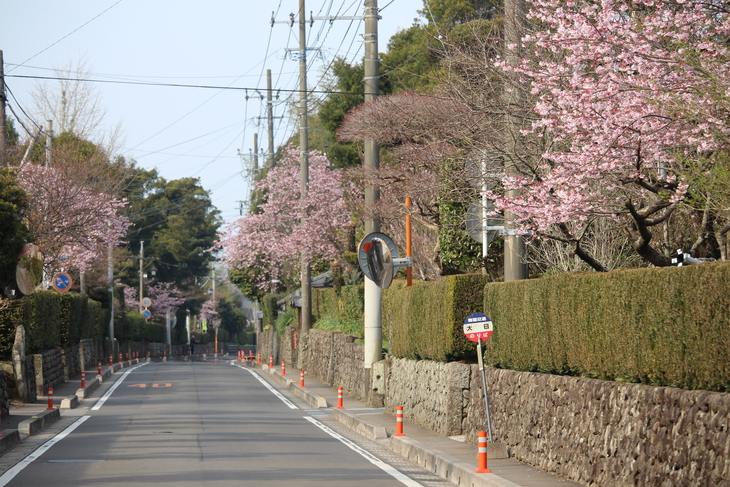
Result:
[
  {"x": 49, "y": 143},
  {"x": 270, "y": 119},
  {"x": 515, "y": 263},
  {"x": 141, "y": 275},
  {"x": 110, "y": 276},
  {"x": 3, "y": 136},
  {"x": 373, "y": 329},
  {"x": 304, "y": 166},
  {"x": 255, "y": 153}
]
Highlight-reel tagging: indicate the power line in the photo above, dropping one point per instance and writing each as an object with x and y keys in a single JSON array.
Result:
[
  {"x": 174, "y": 85},
  {"x": 67, "y": 35}
]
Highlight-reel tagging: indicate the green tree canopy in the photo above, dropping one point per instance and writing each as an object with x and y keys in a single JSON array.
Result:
[
  {"x": 177, "y": 222},
  {"x": 12, "y": 228}
]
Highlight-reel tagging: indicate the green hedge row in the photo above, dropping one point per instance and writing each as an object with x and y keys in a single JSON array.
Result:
[
  {"x": 345, "y": 305},
  {"x": 426, "y": 320},
  {"x": 667, "y": 326},
  {"x": 51, "y": 319}
]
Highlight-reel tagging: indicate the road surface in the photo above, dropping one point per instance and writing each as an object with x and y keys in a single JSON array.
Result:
[{"x": 202, "y": 423}]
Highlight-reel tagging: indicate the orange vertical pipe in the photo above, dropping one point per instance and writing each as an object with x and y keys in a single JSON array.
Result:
[{"x": 409, "y": 270}]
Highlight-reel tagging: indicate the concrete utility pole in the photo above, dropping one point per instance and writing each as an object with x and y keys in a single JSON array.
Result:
[
  {"x": 110, "y": 275},
  {"x": 255, "y": 153},
  {"x": 304, "y": 165},
  {"x": 515, "y": 263},
  {"x": 270, "y": 119},
  {"x": 373, "y": 330},
  {"x": 49, "y": 143},
  {"x": 3, "y": 136},
  {"x": 141, "y": 275}
]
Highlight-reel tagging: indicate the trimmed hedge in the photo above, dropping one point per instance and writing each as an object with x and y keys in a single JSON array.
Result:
[
  {"x": 425, "y": 321},
  {"x": 51, "y": 320},
  {"x": 664, "y": 326},
  {"x": 347, "y": 304}
]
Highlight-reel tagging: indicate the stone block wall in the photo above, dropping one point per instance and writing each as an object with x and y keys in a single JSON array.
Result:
[
  {"x": 49, "y": 370},
  {"x": 88, "y": 353},
  {"x": 590, "y": 431},
  {"x": 71, "y": 359}
]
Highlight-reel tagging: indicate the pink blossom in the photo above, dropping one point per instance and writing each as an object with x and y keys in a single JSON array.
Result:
[{"x": 275, "y": 239}]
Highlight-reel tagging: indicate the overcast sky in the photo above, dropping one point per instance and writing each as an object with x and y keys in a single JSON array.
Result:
[{"x": 182, "y": 131}]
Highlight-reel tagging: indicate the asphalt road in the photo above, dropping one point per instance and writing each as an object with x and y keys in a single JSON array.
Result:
[{"x": 213, "y": 424}]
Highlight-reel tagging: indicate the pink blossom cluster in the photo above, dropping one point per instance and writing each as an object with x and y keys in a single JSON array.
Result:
[
  {"x": 207, "y": 311},
  {"x": 164, "y": 295},
  {"x": 275, "y": 239},
  {"x": 624, "y": 98},
  {"x": 69, "y": 219}
]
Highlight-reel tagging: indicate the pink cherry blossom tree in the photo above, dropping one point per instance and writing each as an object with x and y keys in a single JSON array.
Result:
[
  {"x": 164, "y": 295},
  {"x": 69, "y": 218},
  {"x": 632, "y": 104},
  {"x": 273, "y": 241},
  {"x": 207, "y": 311}
]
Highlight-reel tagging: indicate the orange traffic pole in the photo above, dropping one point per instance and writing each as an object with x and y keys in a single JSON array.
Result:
[
  {"x": 399, "y": 421},
  {"x": 50, "y": 398},
  {"x": 339, "y": 398},
  {"x": 98, "y": 370},
  {"x": 283, "y": 368},
  {"x": 271, "y": 361},
  {"x": 482, "y": 453},
  {"x": 301, "y": 378},
  {"x": 83, "y": 379}
]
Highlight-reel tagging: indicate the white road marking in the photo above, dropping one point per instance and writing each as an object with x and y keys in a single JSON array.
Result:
[
  {"x": 108, "y": 394},
  {"x": 10, "y": 474},
  {"x": 400, "y": 477},
  {"x": 273, "y": 391}
]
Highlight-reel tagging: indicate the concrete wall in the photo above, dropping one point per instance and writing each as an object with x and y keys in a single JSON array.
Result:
[{"x": 591, "y": 431}]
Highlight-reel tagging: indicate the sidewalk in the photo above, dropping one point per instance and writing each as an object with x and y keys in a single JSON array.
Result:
[{"x": 448, "y": 457}]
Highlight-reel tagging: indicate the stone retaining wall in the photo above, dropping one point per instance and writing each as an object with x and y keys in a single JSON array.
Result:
[
  {"x": 590, "y": 431},
  {"x": 89, "y": 354},
  {"x": 49, "y": 370},
  {"x": 71, "y": 359}
]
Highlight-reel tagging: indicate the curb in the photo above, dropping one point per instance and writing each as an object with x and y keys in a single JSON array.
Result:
[
  {"x": 307, "y": 396},
  {"x": 70, "y": 402},
  {"x": 444, "y": 465},
  {"x": 9, "y": 440},
  {"x": 91, "y": 386},
  {"x": 104, "y": 375},
  {"x": 37, "y": 423},
  {"x": 368, "y": 430}
]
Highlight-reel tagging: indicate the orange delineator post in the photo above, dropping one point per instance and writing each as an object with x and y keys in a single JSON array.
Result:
[
  {"x": 120, "y": 358},
  {"x": 98, "y": 370},
  {"x": 83, "y": 379},
  {"x": 271, "y": 361},
  {"x": 482, "y": 453},
  {"x": 111, "y": 361},
  {"x": 339, "y": 399},
  {"x": 399, "y": 421},
  {"x": 301, "y": 378},
  {"x": 50, "y": 398},
  {"x": 258, "y": 357},
  {"x": 283, "y": 369}
]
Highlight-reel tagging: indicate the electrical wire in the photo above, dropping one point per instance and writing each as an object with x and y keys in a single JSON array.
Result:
[{"x": 67, "y": 35}]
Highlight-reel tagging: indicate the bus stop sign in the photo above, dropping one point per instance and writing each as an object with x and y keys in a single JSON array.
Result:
[{"x": 478, "y": 327}]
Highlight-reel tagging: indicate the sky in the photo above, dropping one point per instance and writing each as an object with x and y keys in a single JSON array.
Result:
[{"x": 205, "y": 131}]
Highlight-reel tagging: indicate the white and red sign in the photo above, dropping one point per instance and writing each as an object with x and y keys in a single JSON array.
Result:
[{"x": 478, "y": 327}]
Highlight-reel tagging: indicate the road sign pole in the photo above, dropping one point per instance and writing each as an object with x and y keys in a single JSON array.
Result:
[{"x": 484, "y": 388}]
